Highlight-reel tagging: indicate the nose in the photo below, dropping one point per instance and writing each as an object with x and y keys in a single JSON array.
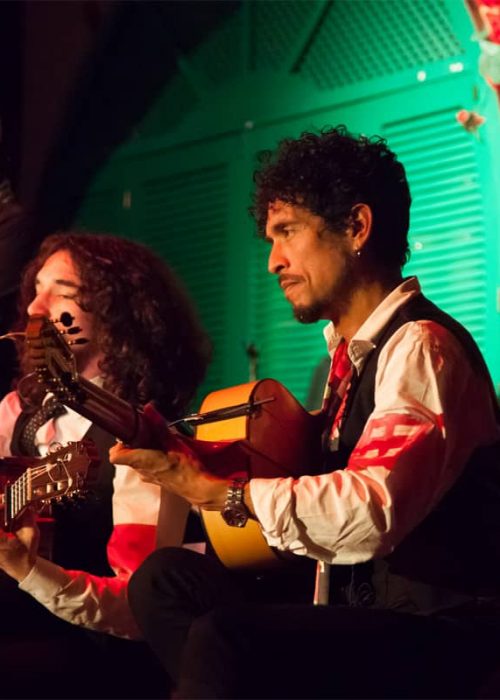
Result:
[
  {"x": 38, "y": 305},
  {"x": 277, "y": 260}
]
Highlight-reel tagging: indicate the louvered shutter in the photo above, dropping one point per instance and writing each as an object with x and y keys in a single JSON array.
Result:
[
  {"x": 447, "y": 232},
  {"x": 184, "y": 219}
]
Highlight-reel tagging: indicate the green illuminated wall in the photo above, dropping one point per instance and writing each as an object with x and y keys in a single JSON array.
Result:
[{"x": 398, "y": 68}]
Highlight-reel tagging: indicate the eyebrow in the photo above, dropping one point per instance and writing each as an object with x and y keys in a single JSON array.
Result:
[
  {"x": 67, "y": 283},
  {"x": 280, "y": 226},
  {"x": 62, "y": 283}
]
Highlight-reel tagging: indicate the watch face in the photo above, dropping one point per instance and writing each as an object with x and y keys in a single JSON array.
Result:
[{"x": 235, "y": 516}]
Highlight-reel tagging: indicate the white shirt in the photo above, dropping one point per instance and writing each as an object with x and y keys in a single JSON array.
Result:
[{"x": 431, "y": 411}]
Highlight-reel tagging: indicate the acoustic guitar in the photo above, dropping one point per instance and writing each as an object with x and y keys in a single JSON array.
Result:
[{"x": 257, "y": 429}]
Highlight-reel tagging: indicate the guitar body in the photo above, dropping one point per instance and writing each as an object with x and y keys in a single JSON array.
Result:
[{"x": 278, "y": 438}]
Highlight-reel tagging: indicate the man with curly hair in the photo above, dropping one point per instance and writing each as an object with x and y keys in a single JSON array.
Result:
[
  {"x": 402, "y": 512},
  {"x": 142, "y": 342}
]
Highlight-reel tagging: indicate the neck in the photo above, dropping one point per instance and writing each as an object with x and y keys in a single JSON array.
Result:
[
  {"x": 364, "y": 300},
  {"x": 88, "y": 365}
]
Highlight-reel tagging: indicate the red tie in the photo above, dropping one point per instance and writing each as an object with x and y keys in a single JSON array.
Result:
[{"x": 338, "y": 382}]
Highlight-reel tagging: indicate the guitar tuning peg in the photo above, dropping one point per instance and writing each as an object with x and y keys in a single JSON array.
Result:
[
  {"x": 78, "y": 341},
  {"x": 54, "y": 447}
]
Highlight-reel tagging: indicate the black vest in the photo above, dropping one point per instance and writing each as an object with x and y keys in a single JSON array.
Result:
[{"x": 453, "y": 556}]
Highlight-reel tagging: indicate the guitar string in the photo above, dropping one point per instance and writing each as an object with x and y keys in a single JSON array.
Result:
[{"x": 19, "y": 488}]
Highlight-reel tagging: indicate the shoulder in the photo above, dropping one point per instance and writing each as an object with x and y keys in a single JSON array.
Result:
[
  {"x": 10, "y": 405},
  {"x": 424, "y": 358},
  {"x": 424, "y": 336},
  {"x": 10, "y": 408}
]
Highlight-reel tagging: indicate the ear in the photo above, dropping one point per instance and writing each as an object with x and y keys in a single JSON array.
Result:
[{"x": 361, "y": 227}]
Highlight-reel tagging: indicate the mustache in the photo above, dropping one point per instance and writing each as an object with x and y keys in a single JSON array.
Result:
[{"x": 285, "y": 279}]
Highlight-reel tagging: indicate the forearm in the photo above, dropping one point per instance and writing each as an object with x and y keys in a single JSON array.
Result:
[
  {"x": 345, "y": 517},
  {"x": 94, "y": 602},
  {"x": 341, "y": 527}
]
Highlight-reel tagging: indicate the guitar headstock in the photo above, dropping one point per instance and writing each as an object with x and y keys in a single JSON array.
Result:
[
  {"x": 66, "y": 472},
  {"x": 51, "y": 358},
  {"x": 54, "y": 364}
]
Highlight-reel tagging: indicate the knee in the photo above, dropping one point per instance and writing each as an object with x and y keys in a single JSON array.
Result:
[
  {"x": 180, "y": 582},
  {"x": 152, "y": 577}
]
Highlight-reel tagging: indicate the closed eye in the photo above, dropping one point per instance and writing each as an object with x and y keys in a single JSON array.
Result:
[{"x": 285, "y": 231}]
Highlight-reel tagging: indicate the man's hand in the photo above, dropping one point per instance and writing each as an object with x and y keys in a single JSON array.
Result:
[
  {"x": 178, "y": 472},
  {"x": 177, "y": 469},
  {"x": 18, "y": 549}
]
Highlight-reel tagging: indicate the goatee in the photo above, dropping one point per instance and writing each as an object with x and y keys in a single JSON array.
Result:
[{"x": 309, "y": 314}]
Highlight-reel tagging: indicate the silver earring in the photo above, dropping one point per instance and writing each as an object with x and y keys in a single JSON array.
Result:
[{"x": 358, "y": 253}]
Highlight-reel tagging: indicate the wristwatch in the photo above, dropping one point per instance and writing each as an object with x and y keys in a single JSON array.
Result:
[{"x": 235, "y": 513}]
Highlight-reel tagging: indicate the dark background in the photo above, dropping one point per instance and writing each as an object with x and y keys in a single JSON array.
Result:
[{"x": 76, "y": 77}]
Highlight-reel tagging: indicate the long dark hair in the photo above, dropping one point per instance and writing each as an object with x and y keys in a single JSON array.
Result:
[{"x": 153, "y": 344}]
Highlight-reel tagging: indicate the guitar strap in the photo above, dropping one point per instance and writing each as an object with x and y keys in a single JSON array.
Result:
[
  {"x": 51, "y": 408},
  {"x": 22, "y": 420}
]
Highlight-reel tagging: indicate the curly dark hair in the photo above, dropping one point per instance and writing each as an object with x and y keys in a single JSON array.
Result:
[
  {"x": 153, "y": 345},
  {"x": 331, "y": 171}
]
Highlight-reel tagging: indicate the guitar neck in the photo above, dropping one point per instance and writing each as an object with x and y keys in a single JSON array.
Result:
[
  {"x": 109, "y": 412},
  {"x": 55, "y": 365},
  {"x": 128, "y": 424}
]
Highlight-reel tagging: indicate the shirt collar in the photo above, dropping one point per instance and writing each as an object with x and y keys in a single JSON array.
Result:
[{"x": 362, "y": 342}]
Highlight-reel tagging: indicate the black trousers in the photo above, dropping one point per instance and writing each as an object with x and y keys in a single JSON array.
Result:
[
  {"x": 42, "y": 656},
  {"x": 223, "y": 635}
]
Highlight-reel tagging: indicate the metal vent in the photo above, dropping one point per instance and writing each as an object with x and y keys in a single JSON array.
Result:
[
  {"x": 276, "y": 27},
  {"x": 360, "y": 41},
  {"x": 177, "y": 101},
  {"x": 329, "y": 44},
  {"x": 220, "y": 57},
  {"x": 447, "y": 234}
]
